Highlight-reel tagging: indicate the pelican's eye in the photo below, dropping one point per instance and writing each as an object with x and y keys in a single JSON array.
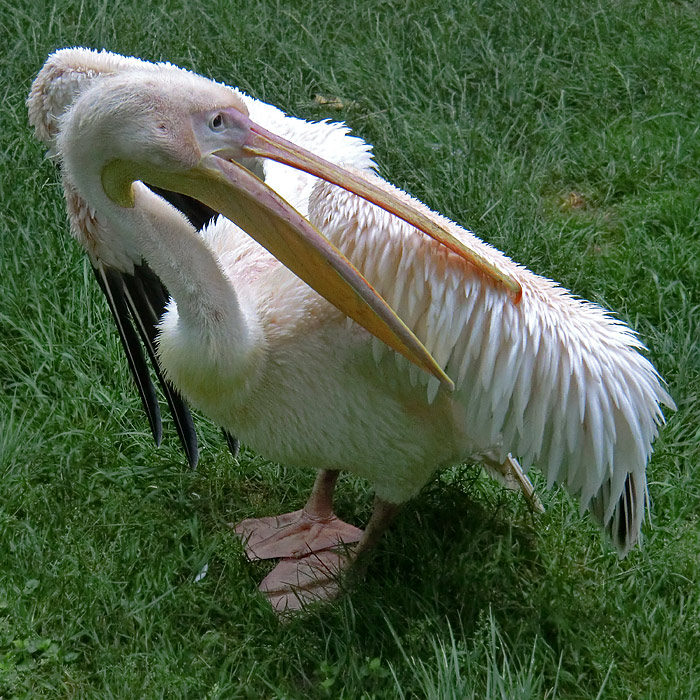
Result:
[{"x": 216, "y": 123}]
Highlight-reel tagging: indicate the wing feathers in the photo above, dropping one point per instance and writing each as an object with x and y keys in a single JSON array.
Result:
[
  {"x": 111, "y": 284},
  {"x": 554, "y": 380},
  {"x": 234, "y": 445},
  {"x": 139, "y": 299},
  {"x": 147, "y": 298}
]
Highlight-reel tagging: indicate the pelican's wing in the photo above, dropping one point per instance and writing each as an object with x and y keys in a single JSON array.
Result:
[
  {"x": 139, "y": 299},
  {"x": 554, "y": 380}
]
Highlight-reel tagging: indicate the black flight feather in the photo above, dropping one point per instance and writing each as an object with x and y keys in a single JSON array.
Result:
[
  {"x": 234, "y": 445},
  {"x": 110, "y": 282},
  {"x": 198, "y": 214},
  {"x": 146, "y": 298}
]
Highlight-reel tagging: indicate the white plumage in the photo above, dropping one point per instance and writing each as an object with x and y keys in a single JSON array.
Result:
[{"x": 552, "y": 379}]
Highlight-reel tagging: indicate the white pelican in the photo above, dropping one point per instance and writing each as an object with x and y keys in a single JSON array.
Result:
[{"x": 518, "y": 365}]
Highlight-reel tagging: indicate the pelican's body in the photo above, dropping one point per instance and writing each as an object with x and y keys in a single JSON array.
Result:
[
  {"x": 525, "y": 374},
  {"x": 546, "y": 377},
  {"x": 317, "y": 397}
]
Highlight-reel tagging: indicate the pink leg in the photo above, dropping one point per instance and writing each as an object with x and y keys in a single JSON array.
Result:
[
  {"x": 511, "y": 475},
  {"x": 294, "y": 583},
  {"x": 314, "y": 528}
]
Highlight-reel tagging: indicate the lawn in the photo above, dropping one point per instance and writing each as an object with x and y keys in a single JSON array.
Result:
[{"x": 565, "y": 133}]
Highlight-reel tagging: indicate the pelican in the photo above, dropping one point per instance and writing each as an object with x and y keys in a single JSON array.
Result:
[{"x": 416, "y": 345}]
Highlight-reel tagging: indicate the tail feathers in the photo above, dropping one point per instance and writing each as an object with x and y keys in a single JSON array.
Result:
[{"x": 623, "y": 526}]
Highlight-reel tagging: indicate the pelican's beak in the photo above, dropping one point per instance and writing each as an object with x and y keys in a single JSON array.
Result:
[
  {"x": 232, "y": 190},
  {"x": 265, "y": 144}
]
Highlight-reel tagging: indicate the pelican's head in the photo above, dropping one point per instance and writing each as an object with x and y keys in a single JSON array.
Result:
[{"x": 159, "y": 120}]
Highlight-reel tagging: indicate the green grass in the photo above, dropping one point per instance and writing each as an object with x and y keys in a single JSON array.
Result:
[{"x": 566, "y": 133}]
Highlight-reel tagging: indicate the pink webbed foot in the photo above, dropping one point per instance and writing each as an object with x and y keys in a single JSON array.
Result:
[
  {"x": 312, "y": 544},
  {"x": 295, "y": 583},
  {"x": 294, "y": 535}
]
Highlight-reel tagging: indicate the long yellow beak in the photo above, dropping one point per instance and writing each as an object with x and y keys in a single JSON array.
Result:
[
  {"x": 265, "y": 144},
  {"x": 232, "y": 190}
]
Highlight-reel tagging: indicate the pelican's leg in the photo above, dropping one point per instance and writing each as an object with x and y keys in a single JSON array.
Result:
[
  {"x": 294, "y": 583},
  {"x": 517, "y": 473},
  {"x": 313, "y": 528},
  {"x": 511, "y": 475}
]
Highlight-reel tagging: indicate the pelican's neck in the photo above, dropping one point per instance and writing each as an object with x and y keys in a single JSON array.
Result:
[
  {"x": 156, "y": 232},
  {"x": 211, "y": 345},
  {"x": 187, "y": 266}
]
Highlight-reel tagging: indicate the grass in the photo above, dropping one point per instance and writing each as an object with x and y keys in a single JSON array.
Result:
[{"x": 565, "y": 133}]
